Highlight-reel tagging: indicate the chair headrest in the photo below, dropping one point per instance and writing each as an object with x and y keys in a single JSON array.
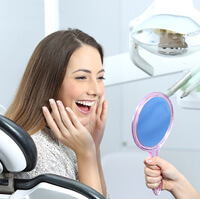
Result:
[{"x": 17, "y": 149}]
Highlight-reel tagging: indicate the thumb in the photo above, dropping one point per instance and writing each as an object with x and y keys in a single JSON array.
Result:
[{"x": 156, "y": 162}]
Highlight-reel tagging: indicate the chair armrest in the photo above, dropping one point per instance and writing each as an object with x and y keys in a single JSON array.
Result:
[{"x": 25, "y": 184}]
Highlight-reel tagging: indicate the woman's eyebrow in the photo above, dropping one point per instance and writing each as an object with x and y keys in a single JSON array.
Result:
[
  {"x": 102, "y": 70},
  {"x": 88, "y": 71},
  {"x": 83, "y": 70}
]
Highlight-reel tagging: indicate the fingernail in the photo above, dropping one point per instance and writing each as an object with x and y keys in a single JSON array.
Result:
[
  {"x": 59, "y": 103},
  {"x": 44, "y": 109},
  {"x": 51, "y": 101},
  {"x": 68, "y": 109},
  {"x": 149, "y": 160}
]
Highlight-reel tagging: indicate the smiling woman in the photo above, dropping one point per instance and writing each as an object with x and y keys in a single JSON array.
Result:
[
  {"x": 60, "y": 103},
  {"x": 83, "y": 83}
]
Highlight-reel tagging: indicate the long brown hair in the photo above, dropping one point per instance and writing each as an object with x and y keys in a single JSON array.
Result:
[{"x": 44, "y": 75}]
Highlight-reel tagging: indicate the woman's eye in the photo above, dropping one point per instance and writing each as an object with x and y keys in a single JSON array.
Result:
[
  {"x": 80, "y": 77},
  {"x": 101, "y": 78}
]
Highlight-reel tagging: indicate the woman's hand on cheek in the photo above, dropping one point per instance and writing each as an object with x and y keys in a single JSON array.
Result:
[
  {"x": 68, "y": 128},
  {"x": 98, "y": 121}
]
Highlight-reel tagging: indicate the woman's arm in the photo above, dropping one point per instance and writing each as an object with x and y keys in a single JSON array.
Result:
[
  {"x": 158, "y": 170},
  {"x": 73, "y": 134},
  {"x": 103, "y": 183},
  {"x": 89, "y": 171},
  {"x": 96, "y": 129}
]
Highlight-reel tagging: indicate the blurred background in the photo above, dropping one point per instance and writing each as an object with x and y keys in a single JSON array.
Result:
[{"x": 23, "y": 23}]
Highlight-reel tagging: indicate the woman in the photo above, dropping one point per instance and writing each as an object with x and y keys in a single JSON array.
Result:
[
  {"x": 158, "y": 170},
  {"x": 60, "y": 103}
]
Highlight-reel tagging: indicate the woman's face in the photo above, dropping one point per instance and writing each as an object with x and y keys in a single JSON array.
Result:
[{"x": 83, "y": 82}]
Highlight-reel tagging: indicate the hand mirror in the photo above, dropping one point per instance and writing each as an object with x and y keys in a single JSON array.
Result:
[{"x": 152, "y": 123}]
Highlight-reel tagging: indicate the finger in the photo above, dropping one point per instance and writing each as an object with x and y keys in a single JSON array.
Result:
[
  {"x": 148, "y": 161},
  {"x": 94, "y": 109},
  {"x": 152, "y": 185},
  {"x": 156, "y": 161},
  {"x": 152, "y": 180},
  {"x": 56, "y": 115},
  {"x": 99, "y": 106},
  {"x": 151, "y": 163},
  {"x": 64, "y": 116},
  {"x": 50, "y": 121},
  {"x": 103, "y": 115},
  {"x": 74, "y": 119},
  {"x": 151, "y": 172},
  {"x": 153, "y": 167}
]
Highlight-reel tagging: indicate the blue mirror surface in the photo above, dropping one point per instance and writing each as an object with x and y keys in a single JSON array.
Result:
[{"x": 153, "y": 121}]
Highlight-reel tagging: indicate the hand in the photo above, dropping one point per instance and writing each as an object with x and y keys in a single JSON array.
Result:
[
  {"x": 68, "y": 128},
  {"x": 158, "y": 170},
  {"x": 98, "y": 121}
]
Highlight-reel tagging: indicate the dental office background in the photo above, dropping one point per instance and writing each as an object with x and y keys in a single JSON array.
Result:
[{"x": 23, "y": 23}]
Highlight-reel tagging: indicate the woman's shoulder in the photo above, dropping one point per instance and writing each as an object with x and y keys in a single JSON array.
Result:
[
  {"x": 45, "y": 138},
  {"x": 47, "y": 143},
  {"x": 53, "y": 157}
]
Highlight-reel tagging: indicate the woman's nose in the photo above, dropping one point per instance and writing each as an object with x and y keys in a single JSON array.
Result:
[{"x": 94, "y": 88}]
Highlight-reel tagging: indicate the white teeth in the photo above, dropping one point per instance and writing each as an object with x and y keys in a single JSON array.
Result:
[{"x": 85, "y": 103}]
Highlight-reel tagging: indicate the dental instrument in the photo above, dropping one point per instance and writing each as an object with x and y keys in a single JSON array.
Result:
[
  {"x": 191, "y": 88},
  {"x": 182, "y": 81}
]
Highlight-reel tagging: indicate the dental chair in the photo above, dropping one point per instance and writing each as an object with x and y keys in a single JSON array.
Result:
[{"x": 18, "y": 153}]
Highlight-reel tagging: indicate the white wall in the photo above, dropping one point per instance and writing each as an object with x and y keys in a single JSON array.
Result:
[
  {"x": 106, "y": 20},
  {"x": 21, "y": 28}
]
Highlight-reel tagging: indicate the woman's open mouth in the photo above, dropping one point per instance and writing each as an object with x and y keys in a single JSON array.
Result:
[{"x": 84, "y": 106}]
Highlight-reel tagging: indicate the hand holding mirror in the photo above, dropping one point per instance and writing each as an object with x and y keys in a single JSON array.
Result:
[{"x": 152, "y": 123}]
